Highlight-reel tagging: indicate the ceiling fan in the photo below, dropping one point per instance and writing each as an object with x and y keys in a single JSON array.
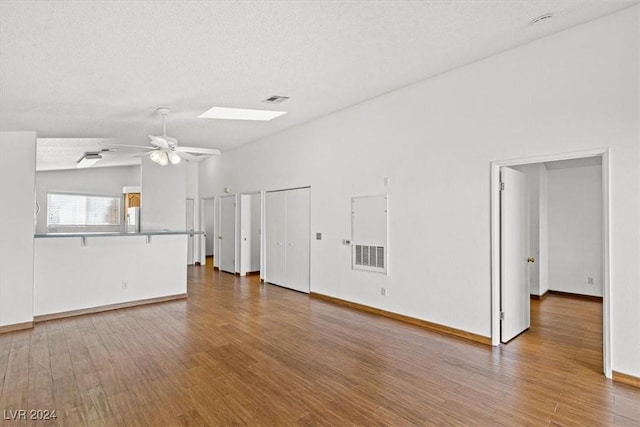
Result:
[{"x": 165, "y": 149}]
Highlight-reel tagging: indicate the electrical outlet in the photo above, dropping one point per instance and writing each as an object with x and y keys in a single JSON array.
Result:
[
  {"x": 590, "y": 280},
  {"x": 386, "y": 181},
  {"x": 383, "y": 292},
  {"x": 125, "y": 284}
]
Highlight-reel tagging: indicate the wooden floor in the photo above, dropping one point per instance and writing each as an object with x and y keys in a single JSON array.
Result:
[{"x": 241, "y": 353}]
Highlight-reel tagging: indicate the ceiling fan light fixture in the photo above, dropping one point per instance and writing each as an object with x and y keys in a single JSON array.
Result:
[
  {"x": 164, "y": 159},
  {"x": 155, "y": 156},
  {"x": 174, "y": 158},
  {"x": 88, "y": 160}
]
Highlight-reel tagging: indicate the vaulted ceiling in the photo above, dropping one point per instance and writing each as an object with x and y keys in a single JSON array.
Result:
[{"x": 98, "y": 69}]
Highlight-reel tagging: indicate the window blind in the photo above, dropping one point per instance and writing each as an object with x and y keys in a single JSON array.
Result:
[{"x": 82, "y": 210}]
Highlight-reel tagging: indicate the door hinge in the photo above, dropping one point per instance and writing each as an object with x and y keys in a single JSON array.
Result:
[
  {"x": 501, "y": 186},
  {"x": 502, "y": 315}
]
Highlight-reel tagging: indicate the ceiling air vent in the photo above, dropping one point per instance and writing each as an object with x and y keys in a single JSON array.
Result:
[
  {"x": 275, "y": 99},
  {"x": 541, "y": 18}
]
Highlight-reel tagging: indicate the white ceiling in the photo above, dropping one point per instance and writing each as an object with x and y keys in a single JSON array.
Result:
[
  {"x": 98, "y": 69},
  {"x": 65, "y": 153}
]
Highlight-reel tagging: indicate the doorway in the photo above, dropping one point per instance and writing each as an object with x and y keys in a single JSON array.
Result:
[
  {"x": 508, "y": 305},
  {"x": 208, "y": 221},
  {"x": 250, "y": 232}
]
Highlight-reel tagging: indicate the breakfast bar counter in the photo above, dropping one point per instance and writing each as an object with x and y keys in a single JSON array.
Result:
[{"x": 94, "y": 271}]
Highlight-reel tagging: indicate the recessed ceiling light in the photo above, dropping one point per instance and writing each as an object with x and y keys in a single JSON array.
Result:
[
  {"x": 240, "y": 114},
  {"x": 88, "y": 160},
  {"x": 541, "y": 18}
]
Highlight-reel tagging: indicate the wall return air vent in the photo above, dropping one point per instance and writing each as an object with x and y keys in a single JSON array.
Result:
[
  {"x": 369, "y": 233},
  {"x": 369, "y": 256}
]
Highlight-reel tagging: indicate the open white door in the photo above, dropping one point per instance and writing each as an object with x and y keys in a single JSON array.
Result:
[
  {"x": 190, "y": 227},
  {"x": 227, "y": 234},
  {"x": 514, "y": 302}
]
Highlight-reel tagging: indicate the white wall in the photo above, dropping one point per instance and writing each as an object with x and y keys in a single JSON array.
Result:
[
  {"x": 103, "y": 181},
  {"x": 575, "y": 90},
  {"x": 164, "y": 194},
  {"x": 575, "y": 229},
  {"x": 192, "y": 192},
  {"x": 17, "y": 171}
]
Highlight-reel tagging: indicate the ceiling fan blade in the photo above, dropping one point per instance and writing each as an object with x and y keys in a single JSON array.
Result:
[
  {"x": 133, "y": 147},
  {"x": 146, "y": 153},
  {"x": 197, "y": 150},
  {"x": 190, "y": 157}
]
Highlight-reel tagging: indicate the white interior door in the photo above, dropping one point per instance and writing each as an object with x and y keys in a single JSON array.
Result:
[
  {"x": 297, "y": 249},
  {"x": 245, "y": 233},
  {"x": 190, "y": 227},
  {"x": 275, "y": 237},
  {"x": 256, "y": 220},
  {"x": 227, "y": 234},
  {"x": 514, "y": 281}
]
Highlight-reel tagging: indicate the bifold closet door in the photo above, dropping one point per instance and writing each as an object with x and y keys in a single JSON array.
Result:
[
  {"x": 298, "y": 228},
  {"x": 287, "y": 238},
  {"x": 275, "y": 237}
]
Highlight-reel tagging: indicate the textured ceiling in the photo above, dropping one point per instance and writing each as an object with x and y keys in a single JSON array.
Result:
[{"x": 97, "y": 69}]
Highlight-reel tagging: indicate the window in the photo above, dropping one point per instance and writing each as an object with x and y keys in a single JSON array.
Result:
[{"x": 75, "y": 210}]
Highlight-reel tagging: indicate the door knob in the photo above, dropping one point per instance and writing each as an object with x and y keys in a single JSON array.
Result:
[{"x": 531, "y": 259}]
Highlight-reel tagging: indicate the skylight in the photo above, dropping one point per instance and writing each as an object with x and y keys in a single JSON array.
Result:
[{"x": 240, "y": 114}]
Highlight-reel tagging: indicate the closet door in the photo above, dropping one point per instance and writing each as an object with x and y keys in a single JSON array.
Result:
[
  {"x": 298, "y": 241},
  {"x": 275, "y": 237}
]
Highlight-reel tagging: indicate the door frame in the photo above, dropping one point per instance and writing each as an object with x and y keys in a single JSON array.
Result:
[
  {"x": 203, "y": 227},
  {"x": 606, "y": 263}
]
